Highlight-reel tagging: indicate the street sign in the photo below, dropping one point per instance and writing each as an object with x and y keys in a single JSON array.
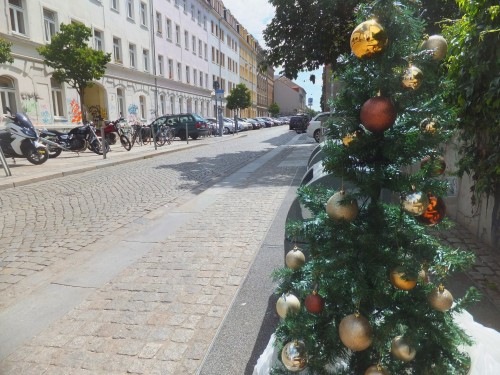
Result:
[
  {"x": 310, "y": 102},
  {"x": 219, "y": 94}
]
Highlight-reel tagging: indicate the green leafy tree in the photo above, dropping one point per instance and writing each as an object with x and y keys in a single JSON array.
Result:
[
  {"x": 474, "y": 74},
  {"x": 304, "y": 35},
  {"x": 239, "y": 98},
  {"x": 73, "y": 60},
  {"x": 372, "y": 274},
  {"x": 5, "y": 52},
  {"x": 273, "y": 109}
]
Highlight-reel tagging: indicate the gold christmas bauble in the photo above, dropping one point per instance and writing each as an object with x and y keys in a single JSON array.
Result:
[
  {"x": 368, "y": 39},
  {"x": 401, "y": 280},
  {"x": 338, "y": 210},
  {"x": 378, "y": 114},
  {"x": 355, "y": 332},
  {"x": 435, "y": 212},
  {"x": 415, "y": 203},
  {"x": 295, "y": 258},
  {"x": 294, "y": 356},
  {"x": 429, "y": 125},
  {"x": 441, "y": 299},
  {"x": 438, "y": 44},
  {"x": 346, "y": 140},
  {"x": 402, "y": 350},
  {"x": 412, "y": 78},
  {"x": 376, "y": 370},
  {"x": 287, "y": 304}
]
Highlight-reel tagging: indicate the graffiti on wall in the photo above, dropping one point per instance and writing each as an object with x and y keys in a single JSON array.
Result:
[
  {"x": 97, "y": 113},
  {"x": 132, "y": 112},
  {"x": 76, "y": 113},
  {"x": 45, "y": 115},
  {"x": 30, "y": 103}
]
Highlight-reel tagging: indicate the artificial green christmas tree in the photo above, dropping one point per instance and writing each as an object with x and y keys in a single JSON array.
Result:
[{"x": 373, "y": 285}]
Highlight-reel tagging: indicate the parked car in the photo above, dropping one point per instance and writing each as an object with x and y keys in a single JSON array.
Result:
[
  {"x": 268, "y": 123},
  {"x": 243, "y": 124},
  {"x": 298, "y": 123},
  {"x": 255, "y": 124},
  {"x": 315, "y": 128},
  {"x": 196, "y": 125}
]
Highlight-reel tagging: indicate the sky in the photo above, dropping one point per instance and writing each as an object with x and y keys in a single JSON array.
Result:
[{"x": 254, "y": 15}]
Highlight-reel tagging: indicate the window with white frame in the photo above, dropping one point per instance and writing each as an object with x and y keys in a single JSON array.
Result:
[
  {"x": 195, "y": 76},
  {"x": 120, "y": 101},
  {"x": 176, "y": 3},
  {"x": 200, "y": 48},
  {"x": 115, "y": 5},
  {"x": 200, "y": 18},
  {"x": 193, "y": 44},
  {"x": 201, "y": 79},
  {"x": 181, "y": 107},
  {"x": 177, "y": 35},
  {"x": 57, "y": 98},
  {"x": 159, "y": 24},
  {"x": 184, "y": 5},
  {"x": 7, "y": 95},
  {"x": 196, "y": 106},
  {"x": 49, "y": 24},
  {"x": 205, "y": 51},
  {"x": 145, "y": 59},
  {"x": 163, "y": 105},
  {"x": 168, "y": 28},
  {"x": 170, "y": 69},
  {"x": 132, "y": 53},
  {"x": 206, "y": 80},
  {"x": 130, "y": 9},
  {"x": 117, "y": 49},
  {"x": 172, "y": 104},
  {"x": 179, "y": 71},
  {"x": 17, "y": 16},
  {"x": 98, "y": 40},
  {"x": 188, "y": 77},
  {"x": 204, "y": 22},
  {"x": 143, "y": 10},
  {"x": 142, "y": 107},
  {"x": 186, "y": 40},
  {"x": 193, "y": 15},
  {"x": 160, "y": 65}
]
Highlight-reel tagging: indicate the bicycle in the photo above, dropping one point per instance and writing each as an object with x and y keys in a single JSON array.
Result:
[
  {"x": 138, "y": 134},
  {"x": 165, "y": 134}
]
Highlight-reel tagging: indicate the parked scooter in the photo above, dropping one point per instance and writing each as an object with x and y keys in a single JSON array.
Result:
[
  {"x": 77, "y": 140},
  {"x": 111, "y": 130},
  {"x": 20, "y": 140}
]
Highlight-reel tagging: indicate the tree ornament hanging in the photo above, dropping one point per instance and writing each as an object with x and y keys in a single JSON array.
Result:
[
  {"x": 402, "y": 350},
  {"x": 368, "y": 39},
  {"x": 352, "y": 136},
  {"x": 355, "y": 332},
  {"x": 435, "y": 212},
  {"x": 376, "y": 370},
  {"x": 314, "y": 303},
  {"x": 287, "y": 304},
  {"x": 429, "y": 125},
  {"x": 401, "y": 280},
  {"x": 438, "y": 165},
  {"x": 338, "y": 210},
  {"x": 441, "y": 299},
  {"x": 438, "y": 44},
  {"x": 378, "y": 114},
  {"x": 295, "y": 258},
  {"x": 415, "y": 203},
  {"x": 412, "y": 78},
  {"x": 423, "y": 277},
  {"x": 294, "y": 356}
]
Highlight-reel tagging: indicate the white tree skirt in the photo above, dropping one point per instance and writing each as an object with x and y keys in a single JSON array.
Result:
[{"x": 485, "y": 353}]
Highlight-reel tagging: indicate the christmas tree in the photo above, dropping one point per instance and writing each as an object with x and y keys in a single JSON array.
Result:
[{"x": 366, "y": 292}]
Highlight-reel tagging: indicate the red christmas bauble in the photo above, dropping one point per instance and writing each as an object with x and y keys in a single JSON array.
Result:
[
  {"x": 314, "y": 303},
  {"x": 378, "y": 114},
  {"x": 435, "y": 212}
]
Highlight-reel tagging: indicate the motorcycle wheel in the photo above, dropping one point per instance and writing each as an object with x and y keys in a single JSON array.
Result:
[
  {"x": 54, "y": 152},
  {"x": 125, "y": 142},
  {"x": 95, "y": 146},
  {"x": 37, "y": 155}
]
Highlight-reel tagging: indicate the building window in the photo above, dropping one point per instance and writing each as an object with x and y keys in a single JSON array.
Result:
[
  {"x": 160, "y": 65},
  {"x": 201, "y": 79},
  {"x": 98, "y": 46},
  {"x": 206, "y": 80},
  {"x": 196, "y": 106},
  {"x": 172, "y": 105},
  {"x": 200, "y": 48},
  {"x": 130, "y": 9},
  {"x": 179, "y": 71},
  {"x": 115, "y": 4},
  {"x": 181, "y": 109},
  {"x": 168, "y": 26},
  {"x": 145, "y": 59},
  {"x": 142, "y": 107},
  {"x": 49, "y": 24},
  {"x": 159, "y": 25},
  {"x": 184, "y": 5},
  {"x": 163, "y": 105},
  {"x": 117, "y": 49},
  {"x": 17, "y": 16},
  {"x": 204, "y": 22},
  {"x": 177, "y": 35},
  {"x": 188, "y": 77},
  {"x": 186, "y": 40},
  {"x": 192, "y": 12},
  {"x": 132, "y": 52},
  {"x": 170, "y": 69},
  {"x": 120, "y": 100},
  {"x": 176, "y": 3},
  {"x": 200, "y": 18},
  {"x": 193, "y": 44},
  {"x": 205, "y": 51},
  {"x": 144, "y": 14},
  {"x": 57, "y": 98},
  {"x": 195, "y": 76},
  {"x": 7, "y": 95}
]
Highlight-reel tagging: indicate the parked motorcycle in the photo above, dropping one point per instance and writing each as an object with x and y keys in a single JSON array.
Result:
[
  {"x": 112, "y": 129},
  {"x": 77, "y": 140},
  {"x": 20, "y": 140}
]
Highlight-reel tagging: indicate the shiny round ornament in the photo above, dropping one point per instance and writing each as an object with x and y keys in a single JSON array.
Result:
[
  {"x": 429, "y": 125},
  {"x": 441, "y": 299},
  {"x": 355, "y": 332},
  {"x": 294, "y": 356},
  {"x": 438, "y": 44},
  {"x": 368, "y": 39},
  {"x": 295, "y": 258},
  {"x": 435, "y": 212},
  {"x": 378, "y": 114},
  {"x": 401, "y": 280},
  {"x": 402, "y": 350},
  {"x": 287, "y": 304},
  {"x": 412, "y": 78},
  {"x": 338, "y": 210},
  {"x": 376, "y": 370},
  {"x": 415, "y": 203},
  {"x": 314, "y": 303}
]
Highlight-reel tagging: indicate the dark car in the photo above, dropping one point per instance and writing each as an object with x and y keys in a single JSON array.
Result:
[
  {"x": 196, "y": 125},
  {"x": 299, "y": 123}
]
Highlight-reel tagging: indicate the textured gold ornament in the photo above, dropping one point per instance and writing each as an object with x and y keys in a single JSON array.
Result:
[
  {"x": 287, "y": 304},
  {"x": 355, "y": 332},
  {"x": 429, "y": 125},
  {"x": 376, "y": 370},
  {"x": 402, "y": 350},
  {"x": 337, "y": 210},
  {"x": 294, "y": 356},
  {"x": 441, "y": 299},
  {"x": 415, "y": 203},
  {"x": 412, "y": 78},
  {"x": 295, "y": 258},
  {"x": 438, "y": 44},
  {"x": 368, "y": 39},
  {"x": 401, "y": 280}
]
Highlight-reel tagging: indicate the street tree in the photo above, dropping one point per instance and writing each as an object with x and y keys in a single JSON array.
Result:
[
  {"x": 5, "y": 52},
  {"x": 273, "y": 109},
  {"x": 239, "y": 98},
  {"x": 73, "y": 60}
]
